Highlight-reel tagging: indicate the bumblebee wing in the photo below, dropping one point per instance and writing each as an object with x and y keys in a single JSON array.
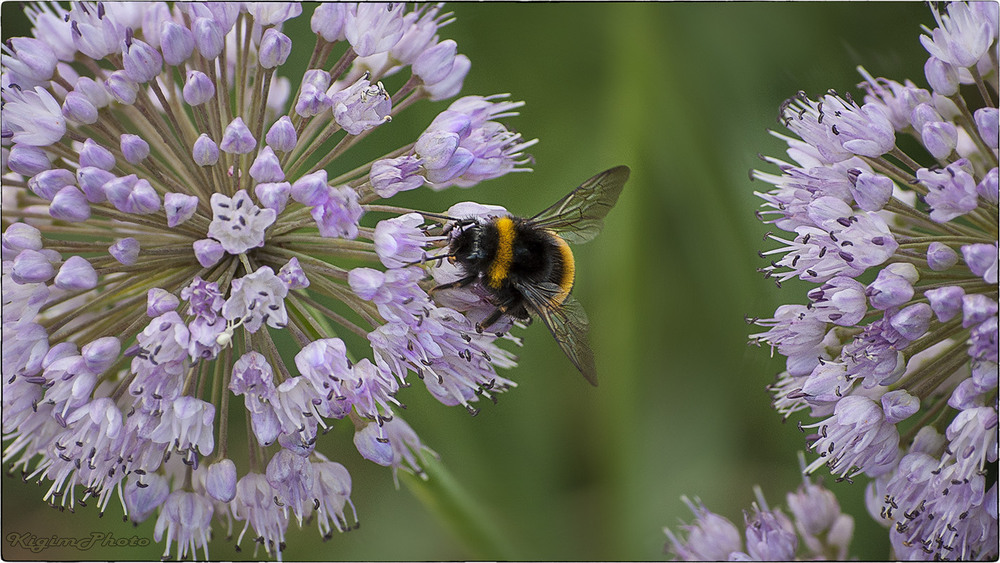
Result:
[
  {"x": 579, "y": 216},
  {"x": 567, "y": 321}
]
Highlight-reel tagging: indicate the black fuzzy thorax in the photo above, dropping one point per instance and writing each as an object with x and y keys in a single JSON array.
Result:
[{"x": 535, "y": 258}]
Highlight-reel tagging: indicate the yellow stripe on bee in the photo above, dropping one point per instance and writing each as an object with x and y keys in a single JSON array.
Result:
[
  {"x": 568, "y": 270},
  {"x": 500, "y": 266}
]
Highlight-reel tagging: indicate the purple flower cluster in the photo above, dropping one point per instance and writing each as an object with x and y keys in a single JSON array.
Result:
[
  {"x": 817, "y": 530},
  {"x": 895, "y": 354},
  {"x": 168, "y": 213}
]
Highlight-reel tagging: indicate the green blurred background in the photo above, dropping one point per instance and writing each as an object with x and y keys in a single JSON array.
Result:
[{"x": 683, "y": 93}]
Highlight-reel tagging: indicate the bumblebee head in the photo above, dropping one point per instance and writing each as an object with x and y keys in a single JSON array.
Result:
[{"x": 466, "y": 246}]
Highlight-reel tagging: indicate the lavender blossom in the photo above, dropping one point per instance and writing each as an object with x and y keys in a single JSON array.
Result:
[
  {"x": 910, "y": 241},
  {"x": 170, "y": 213}
]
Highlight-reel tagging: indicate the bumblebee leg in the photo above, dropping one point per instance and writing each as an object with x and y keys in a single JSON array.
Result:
[
  {"x": 488, "y": 321},
  {"x": 460, "y": 224},
  {"x": 520, "y": 312},
  {"x": 457, "y": 283}
]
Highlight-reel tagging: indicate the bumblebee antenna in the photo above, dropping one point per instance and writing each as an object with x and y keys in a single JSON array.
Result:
[
  {"x": 398, "y": 211},
  {"x": 437, "y": 216},
  {"x": 425, "y": 259}
]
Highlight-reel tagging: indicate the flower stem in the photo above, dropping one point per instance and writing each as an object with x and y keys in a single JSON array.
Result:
[
  {"x": 468, "y": 520},
  {"x": 305, "y": 303},
  {"x": 221, "y": 380}
]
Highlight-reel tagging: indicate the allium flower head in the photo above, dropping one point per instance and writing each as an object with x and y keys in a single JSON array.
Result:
[
  {"x": 899, "y": 337},
  {"x": 817, "y": 530},
  {"x": 174, "y": 208}
]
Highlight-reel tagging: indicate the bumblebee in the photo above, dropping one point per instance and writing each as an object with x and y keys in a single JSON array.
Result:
[{"x": 526, "y": 265}]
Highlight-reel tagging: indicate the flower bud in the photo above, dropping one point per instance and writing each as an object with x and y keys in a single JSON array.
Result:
[
  {"x": 912, "y": 321},
  {"x": 31, "y": 266},
  {"x": 69, "y": 204},
  {"x": 940, "y": 256},
  {"x": 134, "y": 148},
  {"x": 976, "y": 308},
  {"x": 312, "y": 96},
  {"x": 20, "y": 236},
  {"x": 434, "y": 64},
  {"x": 940, "y": 138},
  {"x": 436, "y": 148},
  {"x": 45, "y": 184},
  {"x": 451, "y": 84},
  {"x": 142, "y": 62},
  {"x": 988, "y": 124},
  {"x": 220, "y": 482},
  {"x": 982, "y": 260},
  {"x": 32, "y": 58},
  {"x": 77, "y": 107},
  {"x": 179, "y": 207},
  {"x": 273, "y": 195},
  {"x": 942, "y": 76},
  {"x": 328, "y": 21},
  {"x": 208, "y": 252},
  {"x": 176, "y": 41},
  {"x": 292, "y": 275},
  {"x": 456, "y": 166},
  {"x": 122, "y": 87},
  {"x": 310, "y": 189},
  {"x": 27, "y": 160},
  {"x": 989, "y": 188},
  {"x": 143, "y": 500},
  {"x": 93, "y": 154},
  {"x": 198, "y": 88},
  {"x": 95, "y": 91},
  {"x": 101, "y": 354},
  {"x": 391, "y": 176},
  {"x": 923, "y": 114},
  {"x": 76, "y": 274},
  {"x": 374, "y": 28},
  {"x": 946, "y": 301},
  {"x": 91, "y": 181},
  {"x": 237, "y": 138},
  {"x": 209, "y": 38},
  {"x": 892, "y": 287},
  {"x": 281, "y": 136},
  {"x": 266, "y": 168},
  {"x": 205, "y": 152},
  {"x": 871, "y": 191},
  {"x": 125, "y": 251},
  {"x": 160, "y": 301},
  {"x": 274, "y": 48}
]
